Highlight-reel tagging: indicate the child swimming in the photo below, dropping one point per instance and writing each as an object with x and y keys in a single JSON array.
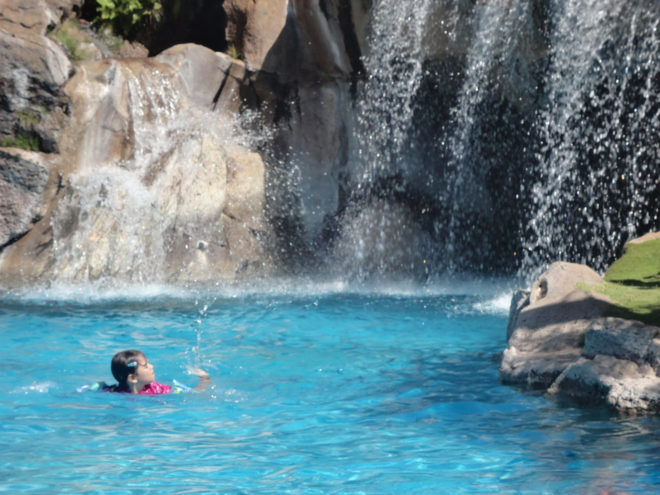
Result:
[{"x": 135, "y": 375}]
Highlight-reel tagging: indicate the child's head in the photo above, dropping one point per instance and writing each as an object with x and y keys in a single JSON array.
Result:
[{"x": 132, "y": 370}]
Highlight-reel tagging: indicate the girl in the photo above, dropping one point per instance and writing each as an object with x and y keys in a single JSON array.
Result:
[{"x": 135, "y": 375}]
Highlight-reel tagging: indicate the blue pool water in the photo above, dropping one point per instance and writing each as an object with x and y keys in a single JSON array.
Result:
[{"x": 326, "y": 393}]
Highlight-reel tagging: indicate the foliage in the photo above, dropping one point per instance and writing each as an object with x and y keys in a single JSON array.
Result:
[
  {"x": 234, "y": 52},
  {"x": 127, "y": 16},
  {"x": 69, "y": 34},
  {"x": 28, "y": 142},
  {"x": 640, "y": 263}
]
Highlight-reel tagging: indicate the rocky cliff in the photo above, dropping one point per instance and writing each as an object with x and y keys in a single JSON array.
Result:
[{"x": 142, "y": 173}]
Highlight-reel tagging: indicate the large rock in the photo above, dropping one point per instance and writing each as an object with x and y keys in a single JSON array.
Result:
[
  {"x": 302, "y": 57},
  {"x": 23, "y": 179},
  {"x": 548, "y": 332},
  {"x": 211, "y": 80},
  {"x": 33, "y": 68},
  {"x": 153, "y": 186},
  {"x": 254, "y": 28},
  {"x": 561, "y": 341}
]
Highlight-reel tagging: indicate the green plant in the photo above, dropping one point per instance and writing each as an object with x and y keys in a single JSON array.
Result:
[
  {"x": 126, "y": 16},
  {"x": 76, "y": 42},
  {"x": 28, "y": 142},
  {"x": 28, "y": 118},
  {"x": 233, "y": 51}
]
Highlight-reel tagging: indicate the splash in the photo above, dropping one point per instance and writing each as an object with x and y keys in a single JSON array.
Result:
[{"x": 164, "y": 191}]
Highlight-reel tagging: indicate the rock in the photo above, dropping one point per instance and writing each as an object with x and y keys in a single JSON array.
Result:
[
  {"x": 559, "y": 339},
  {"x": 621, "y": 384},
  {"x": 23, "y": 179},
  {"x": 36, "y": 15},
  {"x": 647, "y": 237},
  {"x": 619, "y": 366},
  {"x": 320, "y": 28},
  {"x": 548, "y": 333},
  {"x": 623, "y": 339},
  {"x": 153, "y": 187},
  {"x": 32, "y": 69},
  {"x": 211, "y": 80},
  {"x": 254, "y": 28}
]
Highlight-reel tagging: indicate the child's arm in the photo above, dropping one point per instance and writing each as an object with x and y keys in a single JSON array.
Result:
[{"x": 204, "y": 378}]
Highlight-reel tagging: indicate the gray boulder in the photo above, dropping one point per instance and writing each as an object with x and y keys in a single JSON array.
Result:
[
  {"x": 560, "y": 340},
  {"x": 23, "y": 179},
  {"x": 33, "y": 68},
  {"x": 547, "y": 333}
]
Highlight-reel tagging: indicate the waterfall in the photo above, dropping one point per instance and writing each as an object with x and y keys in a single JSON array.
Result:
[
  {"x": 163, "y": 191},
  {"x": 394, "y": 67},
  {"x": 497, "y": 61},
  {"x": 504, "y": 135},
  {"x": 598, "y": 157}
]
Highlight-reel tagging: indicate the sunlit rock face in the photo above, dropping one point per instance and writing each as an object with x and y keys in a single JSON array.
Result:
[
  {"x": 303, "y": 59},
  {"x": 154, "y": 187}
]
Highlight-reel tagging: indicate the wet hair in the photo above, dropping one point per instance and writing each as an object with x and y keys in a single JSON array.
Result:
[{"x": 123, "y": 364}]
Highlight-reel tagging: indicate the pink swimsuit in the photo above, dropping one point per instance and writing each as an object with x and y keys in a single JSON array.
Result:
[{"x": 155, "y": 388}]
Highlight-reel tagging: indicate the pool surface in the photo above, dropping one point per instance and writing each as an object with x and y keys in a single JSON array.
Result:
[{"x": 328, "y": 393}]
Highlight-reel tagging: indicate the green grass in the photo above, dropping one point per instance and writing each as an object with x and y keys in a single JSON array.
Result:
[
  {"x": 234, "y": 52},
  {"x": 75, "y": 41},
  {"x": 28, "y": 118},
  {"x": 633, "y": 283},
  {"x": 28, "y": 142}
]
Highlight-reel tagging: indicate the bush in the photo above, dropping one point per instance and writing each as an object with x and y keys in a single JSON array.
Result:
[{"x": 126, "y": 17}]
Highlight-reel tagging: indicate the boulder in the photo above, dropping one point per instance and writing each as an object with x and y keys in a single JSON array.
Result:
[
  {"x": 33, "y": 67},
  {"x": 621, "y": 384},
  {"x": 547, "y": 334},
  {"x": 211, "y": 80},
  {"x": 254, "y": 28},
  {"x": 23, "y": 179},
  {"x": 560, "y": 339},
  {"x": 153, "y": 185}
]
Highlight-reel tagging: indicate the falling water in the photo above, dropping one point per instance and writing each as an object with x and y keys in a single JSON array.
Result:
[
  {"x": 153, "y": 213},
  {"x": 118, "y": 228},
  {"x": 597, "y": 178},
  {"x": 528, "y": 134},
  {"x": 498, "y": 59},
  {"x": 394, "y": 68}
]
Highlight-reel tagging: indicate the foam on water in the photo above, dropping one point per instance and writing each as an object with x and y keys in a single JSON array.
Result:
[{"x": 105, "y": 292}]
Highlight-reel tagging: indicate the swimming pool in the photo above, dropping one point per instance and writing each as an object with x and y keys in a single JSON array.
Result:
[{"x": 312, "y": 393}]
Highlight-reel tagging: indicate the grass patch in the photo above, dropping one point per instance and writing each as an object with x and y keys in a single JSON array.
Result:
[
  {"x": 633, "y": 283},
  {"x": 28, "y": 142},
  {"x": 74, "y": 40},
  {"x": 28, "y": 118},
  {"x": 234, "y": 52}
]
